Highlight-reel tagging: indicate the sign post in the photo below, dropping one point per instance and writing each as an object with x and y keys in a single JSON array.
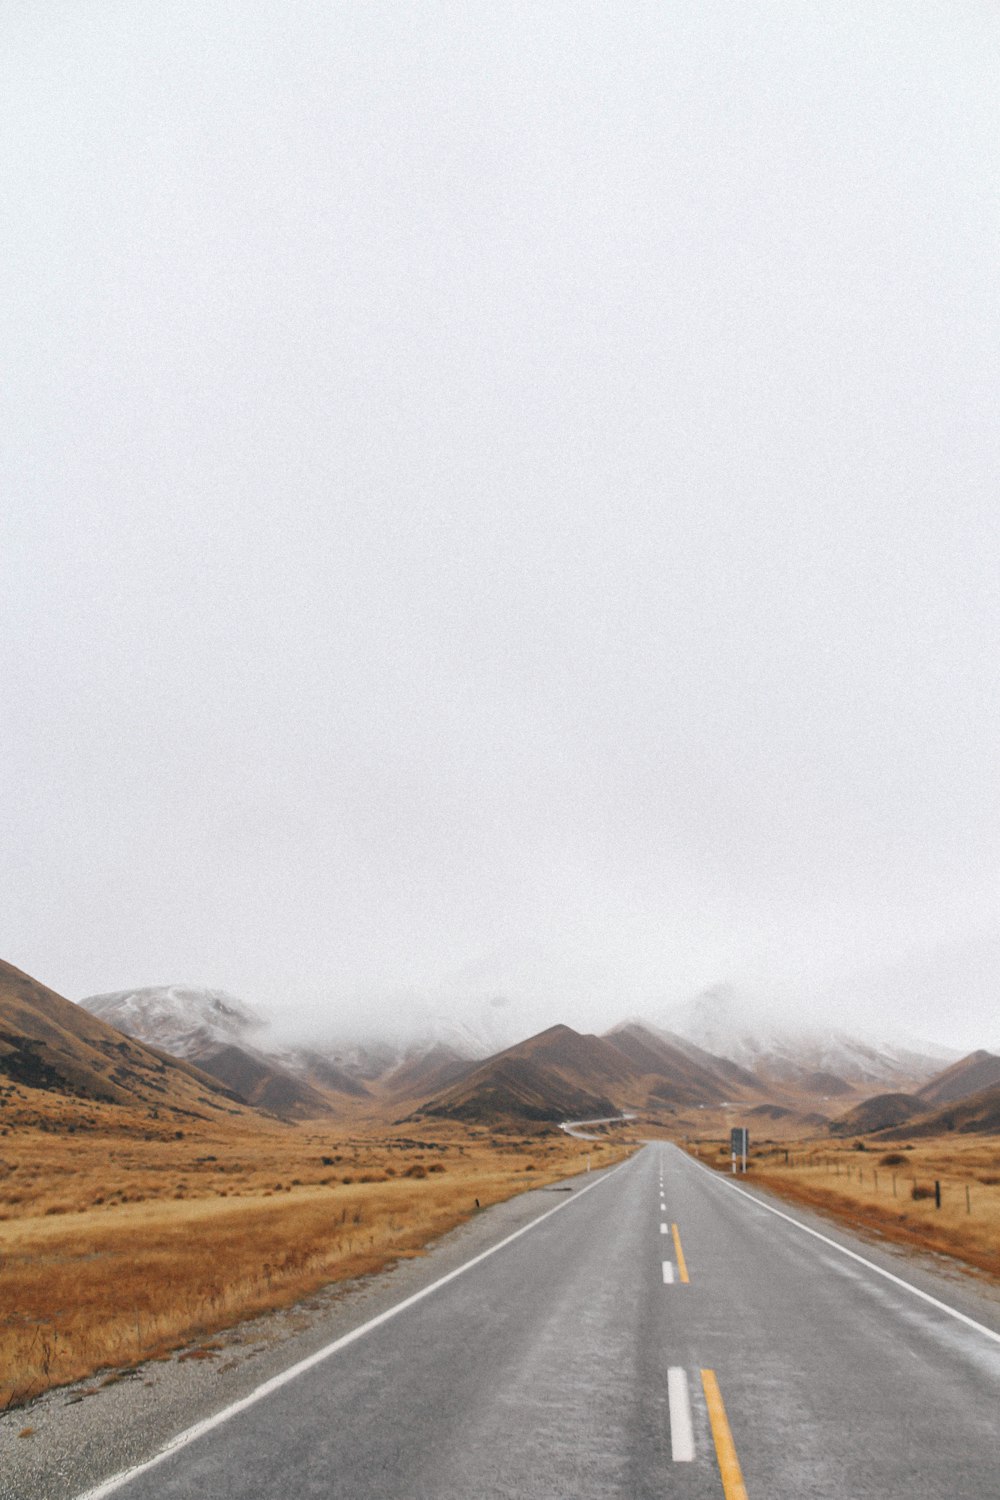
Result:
[{"x": 739, "y": 1145}]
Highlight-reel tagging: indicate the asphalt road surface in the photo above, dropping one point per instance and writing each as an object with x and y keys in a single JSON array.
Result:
[{"x": 656, "y": 1333}]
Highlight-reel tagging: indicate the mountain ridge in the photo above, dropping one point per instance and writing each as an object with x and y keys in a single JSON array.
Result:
[
  {"x": 50, "y": 1043},
  {"x": 213, "y": 1030},
  {"x": 964, "y": 1096},
  {"x": 635, "y": 1065}
]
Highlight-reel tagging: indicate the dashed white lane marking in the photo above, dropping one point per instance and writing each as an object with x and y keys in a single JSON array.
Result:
[
  {"x": 681, "y": 1429},
  {"x": 663, "y": 1229},
  {"x": 668, "y": 1272}
]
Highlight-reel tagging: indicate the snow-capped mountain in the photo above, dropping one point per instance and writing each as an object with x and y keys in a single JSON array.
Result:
[
  {"x": 182, "y": 1021},
  {"x": 473, "y": 1029},
  {"x": 470, "y": 1028},
  {"x": 788, "y": 1051},
  {"x": 225, "y": 1038},
  {"x": 719, "y": 1033}
]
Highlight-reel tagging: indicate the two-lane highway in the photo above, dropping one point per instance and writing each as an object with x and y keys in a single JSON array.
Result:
[{"x": 655, "y": 1333}]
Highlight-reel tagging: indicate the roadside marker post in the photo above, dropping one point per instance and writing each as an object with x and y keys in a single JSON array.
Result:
[{"x": 739, "y": 1145}]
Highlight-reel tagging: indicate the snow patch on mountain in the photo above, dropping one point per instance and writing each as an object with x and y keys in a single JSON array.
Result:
[
  {"x": 194, "y": 1023},
  {"x": 179, "y": 1019},
  {"x": 474, "y": 1030},
  {"x": 786, "y": 1050},
  {"x": 471, "y": 1028}
]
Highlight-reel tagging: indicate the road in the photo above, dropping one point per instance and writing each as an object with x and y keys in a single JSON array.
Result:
[{"x": 656, "y": 1333}]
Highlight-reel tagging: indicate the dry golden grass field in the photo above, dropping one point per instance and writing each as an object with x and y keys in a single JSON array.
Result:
[
  {"x": 127, "y": 1238},
  {"x": 889, "y": 1187}
]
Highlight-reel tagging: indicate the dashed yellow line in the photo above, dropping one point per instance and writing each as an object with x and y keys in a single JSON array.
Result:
[
  {"x": 682, "y": 1269},
  {"x": 725, "y": 1448}
]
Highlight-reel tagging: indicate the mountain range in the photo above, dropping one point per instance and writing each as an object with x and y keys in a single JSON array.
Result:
[
  {"x": 448, "y": 1069},
  {"x": 219, "y": 1033},
  {"x": 191, "y": 1049},
  {"x": 710, "y": 1040},
  {"x": 230, "y": 1041}
]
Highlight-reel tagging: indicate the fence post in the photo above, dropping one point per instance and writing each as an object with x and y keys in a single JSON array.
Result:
[{"x": 937, "y": 1193}]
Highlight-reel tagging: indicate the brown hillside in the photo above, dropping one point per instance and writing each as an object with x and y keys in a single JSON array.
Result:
[
  {"x": 48, "y": 1043},
  {"x": 557, "y": 1075},
  {"x": 322, "y": 1072},
  {"x": 980, "y": 1070},
  {"x": 585, "y": 1062},
  {"x": 671, "y": 1074},
  {"x": 736, "y": 1082},
  {"x": 979, "y": 1114},
  {"x": 426, "y": 1073},
  {"x": 561, "y": 1074},
  {"x": 262, "y": 1084},
  {"x": 827, "y": 1084},
  {"x": 517, "y": 1088},
  {"x": 878, "y": 1113}
]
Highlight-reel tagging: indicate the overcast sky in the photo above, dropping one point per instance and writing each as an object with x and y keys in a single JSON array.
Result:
[{"x": 501, "y": 500}]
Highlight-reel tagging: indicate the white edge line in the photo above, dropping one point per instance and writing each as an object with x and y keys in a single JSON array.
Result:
[
  {"x": 908, "y": 1286},
  {"x": 190, "y": 1434},
  {"x": 681, "y": 1428}
]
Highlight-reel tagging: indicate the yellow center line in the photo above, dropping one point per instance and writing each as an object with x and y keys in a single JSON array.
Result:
[
  {"x": 725, "y": 1448},
  {"x": 681, "y": 1263}
]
